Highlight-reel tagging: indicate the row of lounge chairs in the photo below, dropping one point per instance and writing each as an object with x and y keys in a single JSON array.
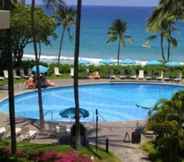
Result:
[
  {"x": 142, "y": 76},
  {"x": 21, "y": 73},
  {"x": 27, "y": 135}
]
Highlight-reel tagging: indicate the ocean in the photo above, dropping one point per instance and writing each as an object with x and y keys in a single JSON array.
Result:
[{"x": 94, "y": 27}]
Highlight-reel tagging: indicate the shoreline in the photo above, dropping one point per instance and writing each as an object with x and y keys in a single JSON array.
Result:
[
  {"x": 69, "y": 60},
  {"x": 93, "y": 61}
]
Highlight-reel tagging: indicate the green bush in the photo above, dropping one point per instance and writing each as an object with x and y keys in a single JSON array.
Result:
[
  {"x": 166, "y": 121},
  {"x": 63, "y": 68}
]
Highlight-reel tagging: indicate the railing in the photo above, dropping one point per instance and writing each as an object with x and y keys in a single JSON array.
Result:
[{"x": 51, "y": 113}]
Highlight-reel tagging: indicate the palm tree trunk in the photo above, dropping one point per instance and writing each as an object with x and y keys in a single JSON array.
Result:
[
  {"x": 168, "y": 51},
  {"x": 61, "y": 45},
  {"x": 162, "y": 47},
  {"x": 118, "y": 55},
  {"x": 11, "y": 88},
  {"x": 40, "y": 49},
  {"x": 169, "y": 45},
  {"x": 40, "y": 104},
  {"x": 76, "y": 68}
]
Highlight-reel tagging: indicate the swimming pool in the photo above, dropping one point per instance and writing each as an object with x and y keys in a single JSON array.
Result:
[{"x": 115, "y": 102}]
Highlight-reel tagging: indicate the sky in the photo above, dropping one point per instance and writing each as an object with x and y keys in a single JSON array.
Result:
[{"x": 111, "y": 2}]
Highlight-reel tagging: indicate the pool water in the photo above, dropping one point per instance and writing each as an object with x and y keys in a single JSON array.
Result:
[{"x": 115, "y": 102}]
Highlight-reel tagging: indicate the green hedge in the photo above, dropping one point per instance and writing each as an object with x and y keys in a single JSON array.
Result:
[{"x": 107, "y": 70}]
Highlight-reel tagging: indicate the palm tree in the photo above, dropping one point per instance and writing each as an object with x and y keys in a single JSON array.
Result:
[
  {"x": 7, "y": 6},
  {"x": 66, "y": 18},
  {"x": 117, "y": 33},
  {"x": 56, "y": 4},
  {"x": 40, "y": 102},
  {"x": 76, "y": 69},
  {"x": 165, "y": 28}
]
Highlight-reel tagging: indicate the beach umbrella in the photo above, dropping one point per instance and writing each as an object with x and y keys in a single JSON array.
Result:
[
  {"x": 173, "y": 64},
  {"x": 106, "y": 61},
  {"x": 85, "y": 62},
  {"x": 70, "y": 113},
  {"x": 154, "y": 62},
  {"x": 128, "y": 61},
  {"x": 42, "y": 69}
]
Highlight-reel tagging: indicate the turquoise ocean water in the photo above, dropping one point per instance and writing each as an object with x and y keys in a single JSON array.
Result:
[{"x": 95, "y": 23}]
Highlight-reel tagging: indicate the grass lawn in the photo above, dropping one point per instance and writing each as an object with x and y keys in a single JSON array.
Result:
[{"x": 99, "y": 156}]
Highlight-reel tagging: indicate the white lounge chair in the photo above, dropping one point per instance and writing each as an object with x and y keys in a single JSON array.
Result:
[
  {"x": 133, "y": 76},
  {"x": 56, "y": 72},
  {"x": 29, "y": 72},
  {"x": 167, "y": 78},
  {"x": 18, "y": 131},
  {"x": 1, "y": 78},
  {"x": 5, "y": 73},
  {"x": 112, "y": 77},
  {"x": 161, "y": 77},
  {"x": 72, "y": 72},
  {"x": 2, "y": 131},
  {"x": 141, "y": 75},
  {"x": 22, "y": 74},
  {"x": 15, "y": 75},
  {"x": 148, "y": 77},
  {"x": 31, "y": 134},
  {"x": 123, "y": 77},
  {"x": 179, "y": 78}
]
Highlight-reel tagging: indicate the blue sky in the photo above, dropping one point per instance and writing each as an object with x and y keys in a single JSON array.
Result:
[{"x": 113, "y": 2}]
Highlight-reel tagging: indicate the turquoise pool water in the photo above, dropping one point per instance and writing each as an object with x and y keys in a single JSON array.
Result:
[{"x": 115, "y": 102}]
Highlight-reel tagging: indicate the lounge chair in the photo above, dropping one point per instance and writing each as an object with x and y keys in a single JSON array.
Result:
[
  {"x": 112, "y": 77},
  {"x": 167, "y": 78},
  {"x": 94, "y": 75},
  {"x": 15, "y": 75},
  {"x": 148, "y": 77},
  {"x": 123, "y": 77},
  {"x": 133, "y": 76},
  {"x": 56, "y": 72},
  {"x": 31, "y": 134},
  {"x": 22, "y": 74},
  {"x": 2, "y": 132},
  {"x": 161, "y": 77},
  {"x": 29, "y": 72},
  {"x": 1, "y": 78},
  {"x": 72, "y": 72},
  {"x": 5, "y": 73},
  {"x": 141, "y": 75},
  {"x": 18, "y": 131},
  {"x": 179, "y": 78}
]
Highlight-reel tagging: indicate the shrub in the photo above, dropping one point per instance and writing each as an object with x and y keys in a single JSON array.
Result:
[
  {"x": 48, "y": 156},
  {"x": 52, "y": 156},
  {"x": 166, "y": 121},
  {"x": 63, "y": 68}
]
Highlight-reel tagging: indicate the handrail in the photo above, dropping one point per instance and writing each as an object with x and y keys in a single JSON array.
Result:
[{"x": 51, "y": 112}]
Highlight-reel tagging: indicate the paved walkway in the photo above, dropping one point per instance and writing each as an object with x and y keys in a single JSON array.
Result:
[{"x": 114, "y": 131}]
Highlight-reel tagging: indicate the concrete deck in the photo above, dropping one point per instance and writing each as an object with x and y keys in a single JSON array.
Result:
[{"x": 115, "y": 131}]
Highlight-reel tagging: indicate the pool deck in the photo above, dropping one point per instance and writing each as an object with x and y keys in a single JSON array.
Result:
[{"x": 115, "y": 131}]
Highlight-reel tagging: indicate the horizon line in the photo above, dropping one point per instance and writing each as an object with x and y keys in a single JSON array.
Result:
[{"x": 90, "y": 5}]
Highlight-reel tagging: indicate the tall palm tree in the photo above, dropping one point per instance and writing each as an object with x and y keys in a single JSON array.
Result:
[
  {"x": 66, "y": 18},
  {"x": 7, "y": 5},
  {"x": 76, "y": 70},
  {"x": 117, "y": 33},
  {"x": 40, "y": 101},
  {"x": 56, "y": 4},
  {"x": 165, "y": 27}
]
